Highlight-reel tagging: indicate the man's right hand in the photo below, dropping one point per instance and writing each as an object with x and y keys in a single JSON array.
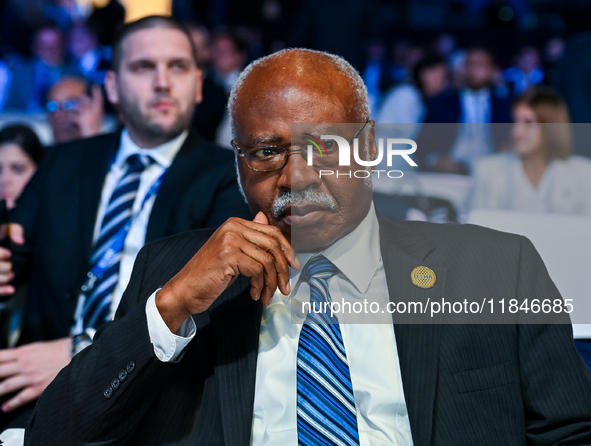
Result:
[
  {"x": 254, "y": 249},
  {"x": 15, "y": 233}
]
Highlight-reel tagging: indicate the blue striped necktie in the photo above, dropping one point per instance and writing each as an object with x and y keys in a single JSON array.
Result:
[
  {"x": 325, "y": 402},
  {"x": 118, "y": 214}
]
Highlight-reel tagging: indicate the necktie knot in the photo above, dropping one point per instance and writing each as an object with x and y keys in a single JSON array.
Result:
[
  {"x": 319, "y": 267},
  {"x": 137, "y": 162}
]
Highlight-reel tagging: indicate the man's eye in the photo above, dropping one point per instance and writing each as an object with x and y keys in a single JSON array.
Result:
[
  {"x": 264, "y": 153},
  {"x": 330, "y": 145},
  {"x": 180, "y": 66},
  {"x": 141, "y": 66}
]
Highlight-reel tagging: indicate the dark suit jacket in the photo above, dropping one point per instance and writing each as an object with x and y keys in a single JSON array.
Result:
[
  {"x": 464, "y": 384},
  {"x": 58, "y": 211},
  {"x": 445, "y": 110}
]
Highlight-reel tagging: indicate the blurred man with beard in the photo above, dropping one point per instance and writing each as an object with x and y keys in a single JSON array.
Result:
[{"x": 95, "y": 202}]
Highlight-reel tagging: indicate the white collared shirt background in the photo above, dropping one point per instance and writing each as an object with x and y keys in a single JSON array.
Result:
[{"x": 163, "y": 156}]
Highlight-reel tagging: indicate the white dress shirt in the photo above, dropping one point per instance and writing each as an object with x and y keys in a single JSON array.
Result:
[
  {"x": 382, "y": 416},
  {"x": 163, "y": 155},
  {"x": 474, "y": 139}
]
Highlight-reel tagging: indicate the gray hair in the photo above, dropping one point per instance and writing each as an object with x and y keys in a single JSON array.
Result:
[{"x": 344, "y": 67}]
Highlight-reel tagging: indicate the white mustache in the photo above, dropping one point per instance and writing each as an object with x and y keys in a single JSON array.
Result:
[{"x": 300, "y": 198}]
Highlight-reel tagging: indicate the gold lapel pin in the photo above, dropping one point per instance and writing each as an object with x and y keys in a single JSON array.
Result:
[{"x": 423, "y": 277}]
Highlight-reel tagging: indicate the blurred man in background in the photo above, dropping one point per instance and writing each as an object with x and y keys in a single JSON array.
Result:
[
  {"x": 73, "y": 113},
  {"x": 34, "y": 77}
]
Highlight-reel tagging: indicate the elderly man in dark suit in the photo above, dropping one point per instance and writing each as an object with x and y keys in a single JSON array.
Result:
[
  {"x": 95, "y": 202},
  {"x": 208, "y": 348}
]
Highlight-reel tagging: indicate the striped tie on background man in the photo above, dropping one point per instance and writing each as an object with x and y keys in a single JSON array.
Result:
[
  {"x": 325, "y": 403},
  {"x": 117, "y": 215}
]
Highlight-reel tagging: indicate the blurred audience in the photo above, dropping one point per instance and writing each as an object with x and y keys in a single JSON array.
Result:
[
  {"x": 209, "y": 114},
  {"x": 373, "y": 72},
  {"x": 553, "y": 51},
  {"x": 20, "y": 153},
  {"x": 474, "y": 108},
  {"x": 34, "y": 77},
  {"x": 405, "y": 104},
  {"x": 540, "y": 174},
  {"x": 526, "y": 72},
  {"x": 75, "y": 109},
  {"x": 229, "y": 57},
  {"x": 87, "y": 55}
]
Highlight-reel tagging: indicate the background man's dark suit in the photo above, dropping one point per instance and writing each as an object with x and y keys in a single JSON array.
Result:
[
  {"x": 446, "y": 109},
  {"x": 464, "y": 384},
  {"x": 58, "y": 211}
]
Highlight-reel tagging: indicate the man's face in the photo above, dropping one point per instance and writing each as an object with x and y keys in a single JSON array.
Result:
[
  {"x": 157, "y": 85},
  {"x": 226, "y": 57},
  {"x": 67, "y": 95},
  {"x": 330, "y": 207},
  {"x": 479, "y": 69},
  {"x": 49, "y": 46}
]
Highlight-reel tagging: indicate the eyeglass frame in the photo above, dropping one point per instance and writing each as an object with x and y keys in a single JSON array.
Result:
[
  {"x": 288, "y": 152},
  {"x": 55, "y": 106}
]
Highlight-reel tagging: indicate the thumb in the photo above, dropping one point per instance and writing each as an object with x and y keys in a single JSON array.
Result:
[
  {"x": 261, "y": 219},
  {"x": 16, "y": 233}
]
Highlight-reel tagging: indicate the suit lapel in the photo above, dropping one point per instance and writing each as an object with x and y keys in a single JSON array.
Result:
[
  {"x": 187, "y": 163},
  {"x": 100, "y": 152},
  {"x": 418, "y": 344},
  {"x": 236, "y": 325}
]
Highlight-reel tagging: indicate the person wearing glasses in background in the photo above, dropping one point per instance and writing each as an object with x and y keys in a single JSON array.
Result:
[{"x": 75, "y": 109}]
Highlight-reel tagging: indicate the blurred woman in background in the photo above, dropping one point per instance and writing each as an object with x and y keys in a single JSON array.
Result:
[
  {"x": 20, "y": 153},
  {"x": 539, "y": 175}
]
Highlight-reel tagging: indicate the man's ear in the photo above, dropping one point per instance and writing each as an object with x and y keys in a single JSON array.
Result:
[
  {"x": 111, "y": 87},
  {"x": 373, "y": 150},
  {"x": 198, "y": 86}
]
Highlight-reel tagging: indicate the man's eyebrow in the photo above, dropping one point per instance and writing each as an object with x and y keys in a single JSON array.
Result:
[{"x": 261, "y": 140}]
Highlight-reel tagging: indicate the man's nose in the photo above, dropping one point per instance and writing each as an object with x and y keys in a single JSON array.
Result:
[
  {"x": 297, "y": 174},
  {"x": 162, "y": 78}
]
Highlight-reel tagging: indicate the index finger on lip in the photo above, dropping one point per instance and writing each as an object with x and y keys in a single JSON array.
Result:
[{"x": 274, "y": 232}]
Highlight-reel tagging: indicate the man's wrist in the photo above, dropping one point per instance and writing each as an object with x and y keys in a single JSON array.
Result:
[{"x": 167, "y": 304}]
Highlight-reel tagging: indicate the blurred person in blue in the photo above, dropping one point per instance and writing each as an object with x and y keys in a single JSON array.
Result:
[
  {"x": 526, "y": 72},
  {"x": 405, "y": 104},
  {"x": 32, "y": 78},
  {"x": 86, "y": 54},
  {"x": 473, "y": 108},
  {"x": 540, "y": 174}
]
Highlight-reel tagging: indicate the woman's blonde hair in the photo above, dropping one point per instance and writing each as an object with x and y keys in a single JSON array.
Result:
[{"x": 552, "y": 112}]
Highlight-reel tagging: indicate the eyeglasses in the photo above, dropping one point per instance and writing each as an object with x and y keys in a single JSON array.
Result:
[
  {"x": 65, "y": 105},
  {"x": 270, "y": 158}
]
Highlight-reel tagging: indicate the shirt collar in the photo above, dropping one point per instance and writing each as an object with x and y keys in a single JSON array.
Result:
[
  {"x": 163, "y": 154},
  {"x": 357, "y": 255},
  {"x": 481, "y": 94}
]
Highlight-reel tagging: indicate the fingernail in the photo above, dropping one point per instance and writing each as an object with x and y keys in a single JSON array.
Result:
[{"x": 288, "y": 287}]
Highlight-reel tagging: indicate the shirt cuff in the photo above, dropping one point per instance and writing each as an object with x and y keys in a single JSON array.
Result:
[{"x": 168, "y": 346}]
